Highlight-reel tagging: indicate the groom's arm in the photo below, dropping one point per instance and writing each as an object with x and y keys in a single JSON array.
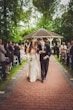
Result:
[
  {"x": 39, "y": 50},
  {"x": 48, "y": 52}
]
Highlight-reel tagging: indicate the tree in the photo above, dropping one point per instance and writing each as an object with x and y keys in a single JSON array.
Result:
[
  {"x": 11, "y": 12},
  {"x": 63, "y": 25},
  {"x": 45, "y": 23},
  {"x": 67, "y": 23},
  {"x": 46, "y": 7}
]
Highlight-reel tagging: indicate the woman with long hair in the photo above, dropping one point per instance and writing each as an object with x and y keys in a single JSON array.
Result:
[{"x": 34, "y": 69}]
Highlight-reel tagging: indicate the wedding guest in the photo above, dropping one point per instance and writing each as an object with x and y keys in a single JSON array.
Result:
[
  {"x": 71, "y": 53},
  {"x": 7, "y": 57},
  {"x": 54, "y": 47},
  {"x": 11, "y": 50},
  {"x": 68, "y": 53},
  {"x": 2, "y": 60},
  {"x": 57, "y": 49},
  {"x": 63, "y": 50},
  {"x": 17, "y": 52}
]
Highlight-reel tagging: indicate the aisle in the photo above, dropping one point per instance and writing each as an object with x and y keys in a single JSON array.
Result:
[{"x": 54, "y": 94}]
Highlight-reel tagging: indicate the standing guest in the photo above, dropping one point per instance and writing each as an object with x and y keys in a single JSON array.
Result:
[
  {"x": 54, "y": 48},
  {"x": 7, "y": 57},
  {"x": 13, "y": 44},
  {"x": 57, "y": 49},
  {"x": 71, "y": 53},
  {"x": 11, "y": 50},
  {"x": 2, "y": 60},
  {"x": 68, "y": 53},
  {"x": 63, "y": 50},
  {"x": 7, "y": 50},
  {"x": 17, "y": 52}
]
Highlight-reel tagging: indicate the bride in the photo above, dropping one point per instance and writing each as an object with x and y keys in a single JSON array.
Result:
[{"x": 34, "y": 66}]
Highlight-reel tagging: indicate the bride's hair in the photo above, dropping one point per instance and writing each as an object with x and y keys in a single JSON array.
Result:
[{"x": 30, "y": 46}]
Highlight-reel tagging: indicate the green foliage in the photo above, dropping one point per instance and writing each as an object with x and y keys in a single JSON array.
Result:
[
  {"x": 27, "y": 31},
  {"x": 45, "y": 23},
  {"x": 56, "y": 25},
  {"x": 64, "y": 25},
  {"x": 46, "y": 7},
  {"x": 67, "y": 26},
  {"x": 11, "y": 13},
  {"x": 70, "y": 7},
  {"x": 16, "y": 37}
]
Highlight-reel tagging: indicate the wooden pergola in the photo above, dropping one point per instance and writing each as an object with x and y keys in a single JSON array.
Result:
[{"x": 43, "y": 33}]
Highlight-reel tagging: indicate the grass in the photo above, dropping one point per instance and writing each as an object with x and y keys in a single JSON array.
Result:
[
  {"x": 64, "y": 65},
  {"x": 12, "y": 73}
]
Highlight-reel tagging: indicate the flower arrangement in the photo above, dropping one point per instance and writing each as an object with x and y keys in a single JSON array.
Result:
[{"x": 28, "y": 58}]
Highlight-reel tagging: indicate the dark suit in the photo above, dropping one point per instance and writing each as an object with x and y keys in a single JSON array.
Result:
[
  {"x": 11, "y": 53},
  {"x": 17, "y": 52},
  {"x": 44, "y": 63},
  {"x": 71, "y": 53}
]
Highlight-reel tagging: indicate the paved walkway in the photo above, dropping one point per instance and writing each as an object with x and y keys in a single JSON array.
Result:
[{"x": 54, "y": 94}]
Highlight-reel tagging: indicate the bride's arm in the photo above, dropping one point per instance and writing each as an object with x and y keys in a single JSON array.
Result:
[
  {"x": 27, "y": 54},
  {"x": 27, "y": 50}
]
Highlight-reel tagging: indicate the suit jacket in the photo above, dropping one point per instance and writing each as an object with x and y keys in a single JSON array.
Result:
[
  {"x": 71, "y": 51},
  {"x": 2, "y": 53},
  {"x": 10, "y": 49},
  {"x": 17, "y": 50},
  {"x": 47, "y": 51}
]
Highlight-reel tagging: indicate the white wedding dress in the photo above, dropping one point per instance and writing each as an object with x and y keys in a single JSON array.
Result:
[{"x": 34, "y": 67}]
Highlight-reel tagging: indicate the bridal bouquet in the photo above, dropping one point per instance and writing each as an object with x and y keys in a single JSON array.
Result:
[{"x": 29, "y": 58}]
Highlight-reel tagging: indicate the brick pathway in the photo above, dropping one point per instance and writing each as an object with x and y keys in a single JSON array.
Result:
[{"x": 54, "y": 94}]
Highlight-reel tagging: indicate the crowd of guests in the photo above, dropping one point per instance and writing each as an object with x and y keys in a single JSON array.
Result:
[
  {"x": 7, "y": 52},
  {"x": 64, "y": 52}
]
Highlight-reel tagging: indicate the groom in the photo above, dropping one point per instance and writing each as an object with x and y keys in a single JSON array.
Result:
[{"x": 44, "y": 51}]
